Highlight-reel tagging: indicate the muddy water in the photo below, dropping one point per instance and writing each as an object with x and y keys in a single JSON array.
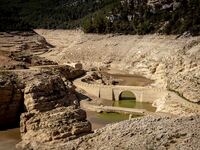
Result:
[
  {"x": 9, "y": 138},
  {"x": 99, "y": 120}
]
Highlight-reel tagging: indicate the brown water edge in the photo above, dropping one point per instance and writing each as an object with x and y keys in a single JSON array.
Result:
[
  {"x": 9, "y": 138},
  {"x": 128, "y": 79}
]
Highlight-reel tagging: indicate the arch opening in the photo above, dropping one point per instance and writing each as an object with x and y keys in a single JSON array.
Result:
[{"x": 127, "y": 95}]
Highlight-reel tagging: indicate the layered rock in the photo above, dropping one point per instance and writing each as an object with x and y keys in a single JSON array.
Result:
[
  {"x": 52, "y": 127},
  {"x": 52, "y": 113},
  {"x": 19, "y": 50},
  {"x": 10, "y": 100},
  {"x": 65, "y": 71},
  {"x": 46, "y": 92}
]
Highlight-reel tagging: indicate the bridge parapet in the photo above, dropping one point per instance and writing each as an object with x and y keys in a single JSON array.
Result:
[{"x": 112, "y": 92}]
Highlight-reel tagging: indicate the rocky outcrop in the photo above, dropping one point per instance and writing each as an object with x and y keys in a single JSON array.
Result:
[
  {"x": 55, "y": 126},
  {"x": 29, "y": 59},
  {"x": 10, "y": 100},
  {"x": 150, "y": 132},
  {"x": 184, "y": 72},
  {"x": 65, "y": 71},
  {"x": 46, "y": 92},
  {"x": 19, "y": 50},
  {"x": 23, "y": 41},
  {"x": 52, "y": 113}
]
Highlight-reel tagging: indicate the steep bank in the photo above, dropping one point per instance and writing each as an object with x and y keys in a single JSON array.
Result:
[{"x": 173, "y": 62}]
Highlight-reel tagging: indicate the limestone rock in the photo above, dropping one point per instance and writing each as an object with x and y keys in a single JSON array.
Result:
[
  {"x": 65, "y": 71},
  {"x": 184, "y": 75},
  {"x": 52, "y": 113},
  {"x": 45, "y": 93},
  {"x": 55, "y": 126},
  {"x": 22, "y": 47}
]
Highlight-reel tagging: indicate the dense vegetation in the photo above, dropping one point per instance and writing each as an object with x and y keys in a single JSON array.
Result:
[
  {"x": 26, "y": 14},
  {"x": 137, "y": 17},
  {"x": 103, "y": 16}
]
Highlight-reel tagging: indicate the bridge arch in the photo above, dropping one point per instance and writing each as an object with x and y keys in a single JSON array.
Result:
[{"x": 127, "y": 95}]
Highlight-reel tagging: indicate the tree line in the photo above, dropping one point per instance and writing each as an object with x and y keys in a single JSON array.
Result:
[{"x": 101, "y": 16}]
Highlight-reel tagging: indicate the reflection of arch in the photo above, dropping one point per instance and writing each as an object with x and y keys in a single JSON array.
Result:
[{"x": 127, "y": 95}]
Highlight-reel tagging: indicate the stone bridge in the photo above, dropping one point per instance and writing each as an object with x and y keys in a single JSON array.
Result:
[{"x": 113, "y": 92}]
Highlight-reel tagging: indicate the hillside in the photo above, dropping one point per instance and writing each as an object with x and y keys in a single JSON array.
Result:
[
  {"x": 174, "y": 63},
  {"x": 103, "y": 16},
  {"x": 27, "y": 14}
]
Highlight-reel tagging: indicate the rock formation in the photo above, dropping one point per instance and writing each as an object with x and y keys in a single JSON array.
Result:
[
  {"x": 19, "y": 50},
  {"x": 46, "y": 92},
  {"x": 52, "y": 114},
  {"x": 52, "y": 127},
  {"x": 10, "y": 100},
  {"x": 39, "y": 90},
  {"x": 64, "y": 71},
  {"x": 184, "y": 72}
]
